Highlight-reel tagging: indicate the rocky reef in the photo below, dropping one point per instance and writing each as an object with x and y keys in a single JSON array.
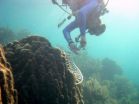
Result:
[
  {"x": 7, "y": 91},
  {"x": 94, "y": 93},
  {"x": 105, "y": 82},
  {"x": 7, "y": 35},
  {"x": 41, "y": 74}
]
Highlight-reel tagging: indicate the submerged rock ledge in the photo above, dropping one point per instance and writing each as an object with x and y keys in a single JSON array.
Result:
[{"x": 40, "y": 73}]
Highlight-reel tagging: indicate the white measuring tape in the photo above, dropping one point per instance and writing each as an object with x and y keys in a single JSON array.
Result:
[{"x": 73, "y": 68}]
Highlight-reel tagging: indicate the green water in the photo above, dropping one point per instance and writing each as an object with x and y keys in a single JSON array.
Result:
[{"x": 120, "y": 42}]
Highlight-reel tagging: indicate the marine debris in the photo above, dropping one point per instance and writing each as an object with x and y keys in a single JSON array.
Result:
[
  {"x": 8, "y": 94},
  {"x": 41, "y": 74}
]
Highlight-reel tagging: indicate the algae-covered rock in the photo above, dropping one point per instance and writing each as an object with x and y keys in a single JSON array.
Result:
[
  {"x": 40, "y": 72},
  {"x": 7, "y": 91}
]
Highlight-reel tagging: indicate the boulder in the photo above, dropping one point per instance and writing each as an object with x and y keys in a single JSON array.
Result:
[{"x": 41, "y": 74}]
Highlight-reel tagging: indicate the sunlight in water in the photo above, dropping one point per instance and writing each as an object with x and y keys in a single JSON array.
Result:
[{"x": 125, "y": 6}]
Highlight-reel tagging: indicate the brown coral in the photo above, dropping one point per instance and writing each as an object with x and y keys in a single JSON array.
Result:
[
  {"x": 7, "y": 92},
  {"x": 40, "y": 72}
]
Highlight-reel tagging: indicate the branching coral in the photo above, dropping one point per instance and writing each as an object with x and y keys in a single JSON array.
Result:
[{"x": 7, "y": 91}]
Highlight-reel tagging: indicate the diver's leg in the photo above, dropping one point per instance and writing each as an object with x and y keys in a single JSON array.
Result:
[
  {"x": 68, "y": 29},
  {"x": 82, "y": 19}
]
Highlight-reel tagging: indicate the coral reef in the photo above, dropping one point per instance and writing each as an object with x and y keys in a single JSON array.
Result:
[
  {"x": 7, "y": 91},
  {"x": 94, "y": 93},
  {"x": 40, "y": 72},
  {"x": 109, "y": 69},
  {"x": 22, "y": 34},
  {"x": 6, "y": 35},
  {"x": 41, "y": 75},
  {"x": 89, "y": 66},
  {"x": 104, "y": 82},
  {"x": 123, "y": 90},
  {"x": 104, "y": 69}
]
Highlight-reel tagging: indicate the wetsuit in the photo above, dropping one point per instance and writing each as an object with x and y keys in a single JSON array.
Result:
[{"x": 80, "y": 20}]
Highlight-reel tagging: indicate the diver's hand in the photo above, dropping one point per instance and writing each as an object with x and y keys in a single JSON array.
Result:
[
  {"x": 73, "y": 48},
  {"x": 69, "y": 17},
  {"x": 83, "y": 41}
]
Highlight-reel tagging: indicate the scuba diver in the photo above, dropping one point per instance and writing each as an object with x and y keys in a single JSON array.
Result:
[{"x": 87, "y": 15}]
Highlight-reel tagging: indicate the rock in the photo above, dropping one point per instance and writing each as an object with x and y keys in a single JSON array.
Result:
[
  {"x": 40, "y": 73},
  {"x": 7, "y": 91}
]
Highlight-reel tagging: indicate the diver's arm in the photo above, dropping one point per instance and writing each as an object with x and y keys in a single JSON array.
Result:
[{"x": 73, "y": 14}]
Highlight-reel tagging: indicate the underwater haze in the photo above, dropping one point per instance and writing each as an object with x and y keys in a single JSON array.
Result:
[{"x": 120, "y": 41}]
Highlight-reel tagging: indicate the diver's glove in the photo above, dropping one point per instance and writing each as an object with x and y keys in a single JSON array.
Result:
[{"x": 73, "y": 47}]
